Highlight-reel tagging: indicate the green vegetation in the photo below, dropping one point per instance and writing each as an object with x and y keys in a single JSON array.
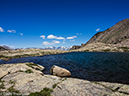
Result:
[
  {"x": 106, "y": 50},
  {"x": 54, "y": 86},
  {"x": 94, "y": 51},
  {"x": 21, "y": 71},
  {"x": 11, "y": 82},
  {"x": 12, "y": 90},
  {"x": 2, "y": 86},
  {"x": 86, "y": 50},
  {"x": 31, "y": 65},
  {"x": 44, "y": 92},
  {"x": 64, "y": 79},
  {"x": 29, "y": 71},
  {"x": 103, "y": 85},
  {"x": 114, "y": 50},
  {"x": 125, "y": 49}
]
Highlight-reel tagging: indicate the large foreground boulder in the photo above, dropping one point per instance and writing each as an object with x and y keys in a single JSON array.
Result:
[{"x": 58, "y": 71}]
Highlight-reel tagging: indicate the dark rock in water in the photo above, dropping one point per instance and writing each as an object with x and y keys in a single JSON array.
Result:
[{"x": 58, "y": 71}]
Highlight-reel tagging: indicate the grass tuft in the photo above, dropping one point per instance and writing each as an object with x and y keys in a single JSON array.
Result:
[
  {"x": 44, "y": 92},
  {"x": 29, "y": 71},
  {"x": 12, "y": 90}
]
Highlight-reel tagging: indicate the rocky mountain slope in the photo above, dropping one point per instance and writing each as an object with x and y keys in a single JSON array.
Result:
[
  {"x": 117, "y": 35},
  {"x": 2, "y": 48}
]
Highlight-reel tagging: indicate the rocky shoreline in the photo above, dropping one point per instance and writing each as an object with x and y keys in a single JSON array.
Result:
[
  {"x": 29, "y": 79},
  {"x": 95, "y": 47}
]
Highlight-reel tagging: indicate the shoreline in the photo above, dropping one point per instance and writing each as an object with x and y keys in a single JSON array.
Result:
[{"x": 25, "y": 79}]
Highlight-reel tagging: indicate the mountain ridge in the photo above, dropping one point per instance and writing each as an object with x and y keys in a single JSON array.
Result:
[{"x": 117, "y": 35}]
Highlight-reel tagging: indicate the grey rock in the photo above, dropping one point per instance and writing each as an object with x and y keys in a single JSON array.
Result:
[
  {"x": 124, "y": 88},
  {"x": 77, "y": 87}
]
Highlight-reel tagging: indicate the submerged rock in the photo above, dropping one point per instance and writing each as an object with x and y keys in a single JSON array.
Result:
[{"x": 58, "y": 71}]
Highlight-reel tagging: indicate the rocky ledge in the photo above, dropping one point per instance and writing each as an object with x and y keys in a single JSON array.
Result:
[{"x": 28, "y": 79}]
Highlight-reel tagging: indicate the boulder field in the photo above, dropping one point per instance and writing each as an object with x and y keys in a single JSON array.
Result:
[{"x": 29, "y": 79}]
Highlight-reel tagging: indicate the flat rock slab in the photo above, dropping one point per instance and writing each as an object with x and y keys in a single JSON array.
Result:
[
  {"x": 29, "y": 83},
  {"x": 27, "y": 79},
  {"x": 77, "y": 87}
]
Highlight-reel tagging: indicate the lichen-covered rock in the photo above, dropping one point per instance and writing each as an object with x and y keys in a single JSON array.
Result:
[{"x": 58, "y": 71}]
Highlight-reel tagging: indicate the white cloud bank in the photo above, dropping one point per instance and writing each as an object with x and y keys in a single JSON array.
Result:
[
  {"x": 51, "y": 43},
  {"x": 97, "y": 29},
  {"x": 1, "y": 29},
  {"x": 42, "y": 36},
  {"x": 10, "y": 31},
  {"x": 71, "y": 37},
  {"x": 55, "y": 37}
]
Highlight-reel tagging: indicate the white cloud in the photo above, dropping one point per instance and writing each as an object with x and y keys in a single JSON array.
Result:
[
  {"x": 46, "y": 43},
  {"x": 51, "y": 43},
  {"x": 42, "y": 36},
  {"x": 63, "y": 42},
  {"x": 10, "y": 31},
  {"x": 71, "y": 37},
  {"x": 55, "y": 42},
  {"x": 21, "y": 33},
  {"x": 97, "y": 29},
  {"x": 54, "y": 37},
  {"x": 1, "y": 29},
  {"x": 60, "y": 38},
  {"x": 51, "y": 37}
]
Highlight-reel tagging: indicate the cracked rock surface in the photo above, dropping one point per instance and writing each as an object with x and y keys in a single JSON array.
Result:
[{"x": 26, "y": 78}]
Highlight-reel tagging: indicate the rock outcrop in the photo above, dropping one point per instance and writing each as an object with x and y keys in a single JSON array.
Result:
[
  {"x": 58, "y": 71},
  {"x": 23, "y": 79},
  {"x": 2, "y": 48},
  {"x": 75, "y": 47},
  {"x": 114, "y": 35}
]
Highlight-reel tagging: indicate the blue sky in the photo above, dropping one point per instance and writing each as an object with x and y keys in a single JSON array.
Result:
[{"x": 44, "y": 23}]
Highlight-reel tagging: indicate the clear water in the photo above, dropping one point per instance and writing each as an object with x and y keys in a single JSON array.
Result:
[{"x": 94, "y": 66}]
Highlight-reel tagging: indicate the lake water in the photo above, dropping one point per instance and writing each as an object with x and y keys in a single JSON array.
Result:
[{"x": 94, "y": 66}]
